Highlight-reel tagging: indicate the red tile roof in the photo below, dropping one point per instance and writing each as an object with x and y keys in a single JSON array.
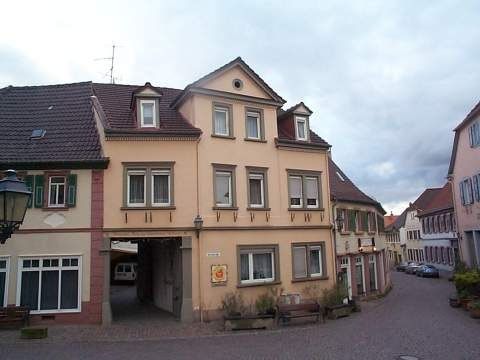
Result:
[
  {"x": 425, "y": 199},
  {"x": 343, "y": 189},
  {"x": 389, "y": 219},
  {"x": 443, "y": 200},
  {"x": 115, "y": 101},
  {"x": 63, "y": 111}
]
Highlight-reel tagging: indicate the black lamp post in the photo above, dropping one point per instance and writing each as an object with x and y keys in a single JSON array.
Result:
[
  {"x": 14, "y": 197},
  {"x": 198, "y": 222}
]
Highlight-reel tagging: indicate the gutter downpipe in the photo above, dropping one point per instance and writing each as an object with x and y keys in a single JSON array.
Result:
[{"x": 200, "y": 295}]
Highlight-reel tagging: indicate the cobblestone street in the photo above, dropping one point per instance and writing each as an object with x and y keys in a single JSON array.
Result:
[{"x": 414, "y": 319}]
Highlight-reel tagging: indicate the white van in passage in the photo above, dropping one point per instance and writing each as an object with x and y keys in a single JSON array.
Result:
[{"x": 125, "y": 272}]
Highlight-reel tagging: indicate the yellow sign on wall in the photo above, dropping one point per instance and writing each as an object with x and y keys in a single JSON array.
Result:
[{"x": 219, "y": 274}]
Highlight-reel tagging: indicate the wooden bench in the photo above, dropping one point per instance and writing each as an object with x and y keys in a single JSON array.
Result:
[
  {"x": 14, "y": 317},
  {"x": 285, "y": 312}
]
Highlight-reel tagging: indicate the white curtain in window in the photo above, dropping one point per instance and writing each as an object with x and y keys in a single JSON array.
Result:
[
  {"x": 295, "y": 189},
  {"x": 137, "y": 189},
  {"x": 161, "y": 191},
  {"x": 301, "y": 129},
  {"x": 221, "y": 121},
  {"x": 222, "y": 188},
  {"x": 312, "y": 191},
  {"x": 262, "y": 266},
  {"x": 299, "y": 261},
  {"x": 147, "y": 112},
  {"x": 256, "y": 189},
  {"x": 253, "y": 130}
]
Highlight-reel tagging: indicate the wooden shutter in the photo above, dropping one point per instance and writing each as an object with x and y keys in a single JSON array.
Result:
[
  {"x": 72, "y": 190},
  {"x": 29, "y": 182},
  {"x": 39, "y": 190}
]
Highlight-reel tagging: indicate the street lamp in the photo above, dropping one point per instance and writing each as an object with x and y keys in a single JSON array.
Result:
[
  {"x": 198, "y": 222},
  {"x": 14, "y": 197}
]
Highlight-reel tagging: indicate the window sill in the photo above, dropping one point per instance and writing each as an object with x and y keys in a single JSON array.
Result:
[
  {"x": 310, "y": 279},
  {"x": 223, "y": 137},
  {"x": 359, "y": 232},
  {"x": 256, "y": 140},
  {"x": 258, "y": 209},
  {"x": 372, "y": 232},
  {"x": 345, "y": 233},
  {"x": 225, "y": 208},
  {"x": 306, "y": 209},
  {"x": 148, "y": 208},
  {"x": 60, "y": 208},
  {"x": 267, "y": 283}
]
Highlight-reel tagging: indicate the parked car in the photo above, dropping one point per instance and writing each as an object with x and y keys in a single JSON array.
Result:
[
  {"x": 428, "y": 271},
  {"x": 412, "y": 268},
  {"x": 125, "y": 272},
  {"x": 403, "y": 265}
]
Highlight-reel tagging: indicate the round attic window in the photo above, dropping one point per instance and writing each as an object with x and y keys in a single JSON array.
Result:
[{"x": 237, "y": 84}]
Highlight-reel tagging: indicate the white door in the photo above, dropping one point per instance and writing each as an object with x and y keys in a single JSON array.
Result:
[{"x": 346, "y": 274}]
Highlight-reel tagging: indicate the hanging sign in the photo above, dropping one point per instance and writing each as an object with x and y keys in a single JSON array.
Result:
[{"x": 219, "y": 274}]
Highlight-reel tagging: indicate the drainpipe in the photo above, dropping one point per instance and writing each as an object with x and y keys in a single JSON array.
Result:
[
  {"x": 199, "y": 243},
  {"x": 334, "y": 230}
]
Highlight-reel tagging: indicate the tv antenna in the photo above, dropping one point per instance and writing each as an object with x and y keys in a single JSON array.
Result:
[{"x": 112, "y": 59}]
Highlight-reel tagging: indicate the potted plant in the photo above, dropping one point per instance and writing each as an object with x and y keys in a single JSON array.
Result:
[
  {"x": 464, "y": 298},
  {"x": 334, "y": 302},
  {"x": 238, "y": 317},
  {"x": 474, "y": 308}
]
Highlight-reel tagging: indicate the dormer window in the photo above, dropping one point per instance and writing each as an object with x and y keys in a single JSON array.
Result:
[
  {"x": 301, "y": 128},
  {"x": 147, "y": 113}
]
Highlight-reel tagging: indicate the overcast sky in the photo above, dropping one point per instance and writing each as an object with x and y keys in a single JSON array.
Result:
[{"x": 387, "y": 80}]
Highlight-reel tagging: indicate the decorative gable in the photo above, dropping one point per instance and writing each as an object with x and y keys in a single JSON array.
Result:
[{"x": 145, "y": 106}]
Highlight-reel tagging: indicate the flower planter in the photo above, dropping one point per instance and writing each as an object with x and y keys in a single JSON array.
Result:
[
  {"x": 454, "y": 301},
  {"x": 253, "y": 322},
  {"x": 464, "y": 303},
  {"x": 337, "y": 311},
  {"x": 475, "y": 313}
]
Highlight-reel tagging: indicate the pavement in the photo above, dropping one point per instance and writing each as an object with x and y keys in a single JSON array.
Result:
[{"x": 413, "y": 320}]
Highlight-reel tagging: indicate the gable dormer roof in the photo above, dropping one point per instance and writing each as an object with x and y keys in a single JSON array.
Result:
[
  {"x": 276, "y": 98},
  {"x": 146, "y": 90},
  {"x": 295, "y": 109}
]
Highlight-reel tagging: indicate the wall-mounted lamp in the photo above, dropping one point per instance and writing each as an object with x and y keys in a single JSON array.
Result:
[{"x": 198, "y": 222}]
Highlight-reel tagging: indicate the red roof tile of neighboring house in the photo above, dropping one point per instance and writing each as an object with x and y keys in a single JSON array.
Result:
[
  {"x": 425, "y": 199},
  {"x": 443, "y": 200},
  {"x": 64, "y": 112},
  {"x": 389, "y": 219},
  {"x": 115, "y": 101},
  {"x": 343, "y": 189}
]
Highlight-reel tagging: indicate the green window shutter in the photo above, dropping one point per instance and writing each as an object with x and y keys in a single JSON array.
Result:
[
  {"x": 352, "y": 220},
  {"x": 29, "y": 182},
  {"x": 39, "y": 189},
  {"x": 72, "y": 190}
]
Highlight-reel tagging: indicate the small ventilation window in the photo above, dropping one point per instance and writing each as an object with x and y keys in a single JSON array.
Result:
[
  {"x": 340, "y": 176},
  {"x": 38, "y": 134},
  {"x": 238, "y": 84}
]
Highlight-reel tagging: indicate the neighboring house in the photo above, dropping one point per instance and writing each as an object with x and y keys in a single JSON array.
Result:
[
  {"x": 222, "y": 190},
  {"x": 439, "y": 232},
  {"x": 464, "y": 173},
  {"x": 362, "y": 263},
  {"x": 395, "y": 239},
  {"x": 414, "y": 247},
  {"x": 52, "y": 264}
]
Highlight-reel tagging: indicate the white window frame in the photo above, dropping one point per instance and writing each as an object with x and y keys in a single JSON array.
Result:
[
  {"x": 7, "y": 278},
  {"x": 250, "y": 253},
  {"x": 361, "y": 262},
  {"x": 301, "y": 119},
  {"x": 259, "y": 129},
  {"x": 299, "y": 206},
  {"x": 230, "y": 195},
  {"x": 261, "y": 177},
  {"x": 161, "y": 172},
  {"x": 226, "y": 110},
  {"x": 372, "y": 259},
  {"x": 137, "y": 172},
  {"x": 40, "y": 268},
  {"x": 320, "y": 259},
  {"x": 317, "y": 204},
  {"x": 57, "y": 205},
  {"x": 142, "y": 122}
]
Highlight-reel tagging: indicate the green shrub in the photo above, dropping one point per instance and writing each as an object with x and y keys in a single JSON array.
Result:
[
  {"x": 233, "y": 304},
  {"x": 469, "y": 281},
  {"x": 334, "y": 296},
  {"x": 475, "y": 305}
]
